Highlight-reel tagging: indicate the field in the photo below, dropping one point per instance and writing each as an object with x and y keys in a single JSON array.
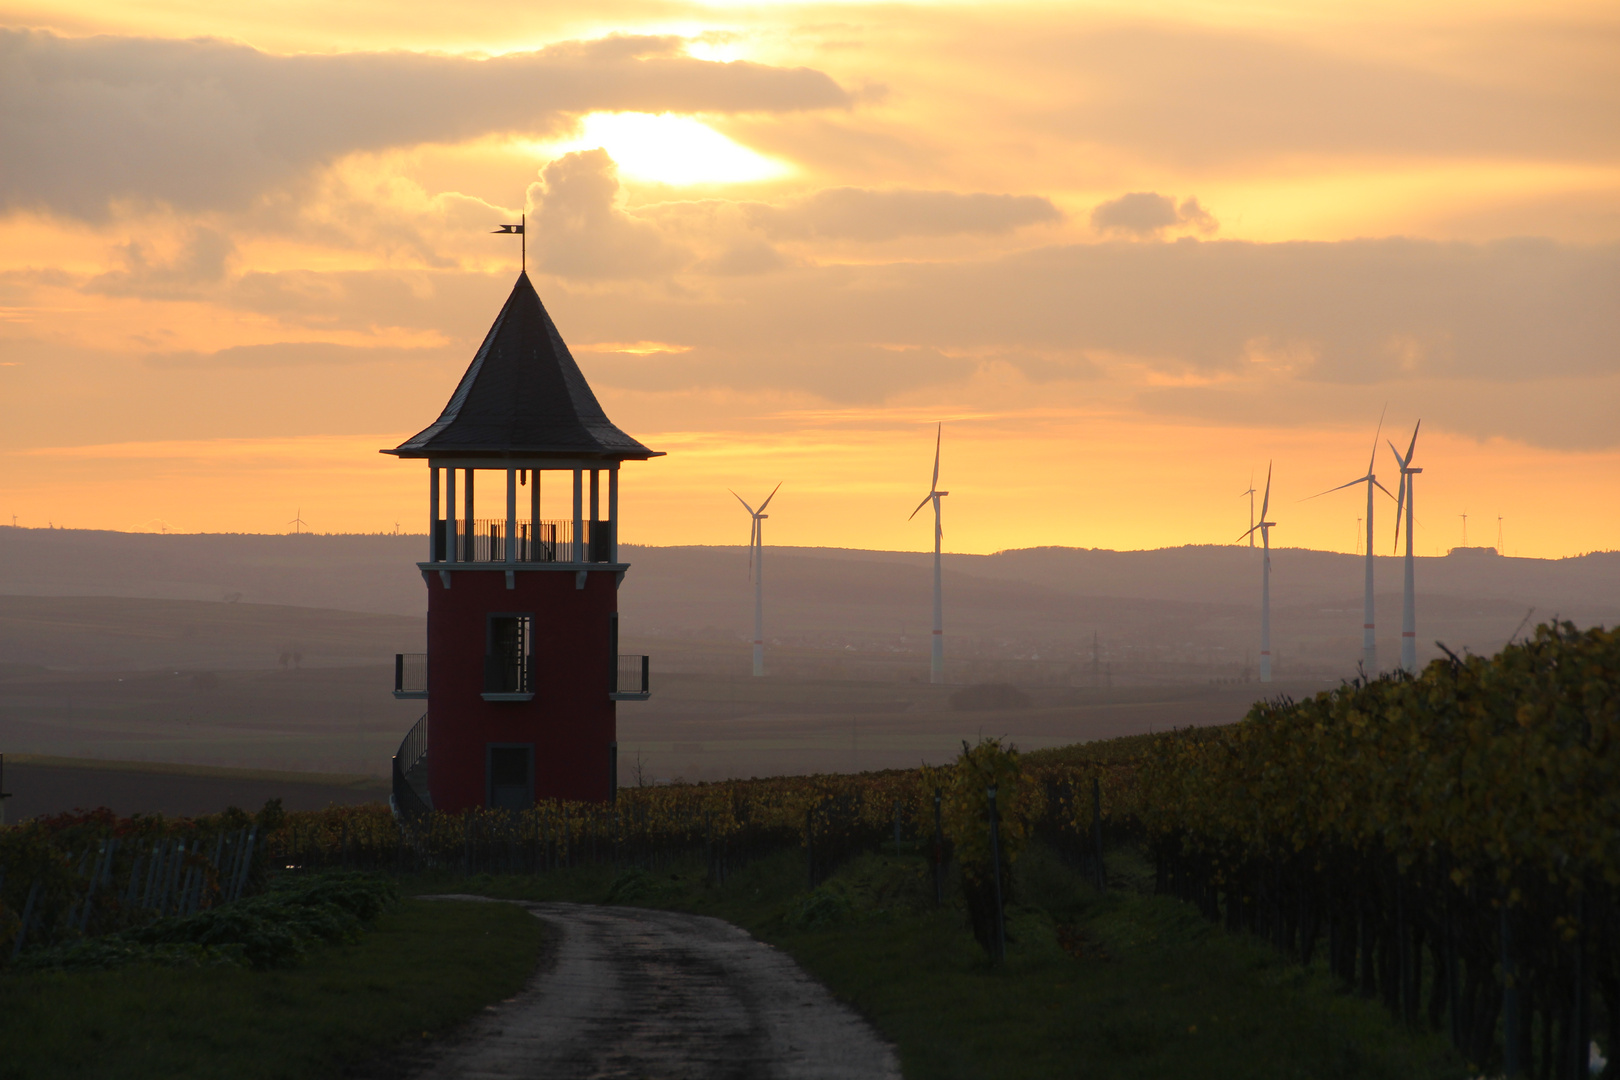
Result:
[
  {"x": 201, "y": 683},
  {"x": 351, "y": 1010},
  {"x": 44, "y": 785}
]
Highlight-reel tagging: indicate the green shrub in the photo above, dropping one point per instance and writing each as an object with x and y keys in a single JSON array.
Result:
[{"x": 275, "y": 929}]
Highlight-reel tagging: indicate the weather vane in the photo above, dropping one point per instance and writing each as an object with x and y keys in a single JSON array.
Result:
[{"x": 523, "y": 220}]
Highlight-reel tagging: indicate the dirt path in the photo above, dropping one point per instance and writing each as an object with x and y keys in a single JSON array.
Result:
[{"x": 661, "y": 995}]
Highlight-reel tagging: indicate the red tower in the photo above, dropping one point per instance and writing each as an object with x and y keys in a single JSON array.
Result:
[{"x": 523, "y": 673}]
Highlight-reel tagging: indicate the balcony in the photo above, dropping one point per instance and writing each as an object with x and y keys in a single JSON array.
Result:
[
  {"x": 484, "y": 540},
  {"x": 410, "y": 675},
  {"x": 630, "y": 682}
]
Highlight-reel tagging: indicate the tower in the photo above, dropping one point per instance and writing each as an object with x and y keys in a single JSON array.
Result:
[{"x": 522, "y": 673}]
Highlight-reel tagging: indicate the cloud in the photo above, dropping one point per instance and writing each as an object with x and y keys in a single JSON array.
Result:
[
  {"x": 1205, "y": 96},
  {"x": 580, "y": 232},
  {"x": 844, "y": 372},
  {"x": 205, "y": 124},
  {"x": 286, "y": 354},
  {"x": 201, "y": 261},
  {"x": 1146, "y": 214},
  {"x": 850, "y": 213}
]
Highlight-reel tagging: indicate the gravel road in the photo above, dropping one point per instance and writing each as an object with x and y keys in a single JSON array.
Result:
[{"x": 648, "y": 994}]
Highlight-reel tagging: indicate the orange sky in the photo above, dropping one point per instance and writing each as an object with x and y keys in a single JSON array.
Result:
[{"x": 1127, "y": 253}]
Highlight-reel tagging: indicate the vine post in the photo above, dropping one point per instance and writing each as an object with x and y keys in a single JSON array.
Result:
[{"x": 995, "y": 876}]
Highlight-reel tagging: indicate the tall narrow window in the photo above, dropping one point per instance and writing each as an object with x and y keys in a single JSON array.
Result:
[{"x": 508, "y": 664}]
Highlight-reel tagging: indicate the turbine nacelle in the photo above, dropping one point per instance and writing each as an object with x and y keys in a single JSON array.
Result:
[
  {"x": 755, "y": 532},
  {"x": 1265, "y": 505}
]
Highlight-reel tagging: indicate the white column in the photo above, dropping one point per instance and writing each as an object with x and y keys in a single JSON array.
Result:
[
  {"x": 1409, "y": 593},
  {"x": 534, "y": 505},
  {"x": 433, "y": 513},
  {"x": 1265, "y": 604},
  {"x": 467, "y": 513},
  {"x": 596, "y": 510},
  {"x": 613, "y": 514},
  {"x": 511, "y": 516},
  {"x": 1369, "y": 640},
  {"x": 579, "y": 516},
  {"x": 452, "y": 529}
]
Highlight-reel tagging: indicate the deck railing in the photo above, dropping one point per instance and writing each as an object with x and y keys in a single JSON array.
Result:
[
  {"x": 410, "y": 675},
  {"x": 484, "y": 540},
  {"x": 630, "y": 677}
]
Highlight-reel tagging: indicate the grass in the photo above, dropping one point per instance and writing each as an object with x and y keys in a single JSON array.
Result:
[
  {"x": 1119, "y": 985},
  {"x": 428, "y": 966}
]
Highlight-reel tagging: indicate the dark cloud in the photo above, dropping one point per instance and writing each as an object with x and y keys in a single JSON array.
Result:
[
  {"x": 207, "y": 124},
  {"x": 1148, "y": 214},
  {"x": 580, "y": 232},
  {"x": 850, "y": 213}
]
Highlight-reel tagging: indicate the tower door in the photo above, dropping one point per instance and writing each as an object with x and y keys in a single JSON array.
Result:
[{"x": 510, "y": 773}]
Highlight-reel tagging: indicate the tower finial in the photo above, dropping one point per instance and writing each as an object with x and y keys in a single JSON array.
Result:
[{"x": 520, "y": 229}]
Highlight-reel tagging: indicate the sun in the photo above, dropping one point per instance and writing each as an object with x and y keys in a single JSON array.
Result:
[{"x": 670, "y": 149}]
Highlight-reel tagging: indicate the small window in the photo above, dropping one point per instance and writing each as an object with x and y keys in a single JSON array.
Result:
[
  {"x": 511, "y": 777},
  {"x": 508, "y": 660}
]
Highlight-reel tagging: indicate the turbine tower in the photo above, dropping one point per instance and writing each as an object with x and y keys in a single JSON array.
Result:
[
  {"x": 936, "y": 667},
  {"x": 756, "y": 567},
  {"x": 1409, "y": 597},
  {"x": 1369, "y": 643},
  {"x": 1265, "y": 578}
]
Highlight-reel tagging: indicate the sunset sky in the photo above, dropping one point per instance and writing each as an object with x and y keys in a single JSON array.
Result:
[{"x": 1127, "y": 253}]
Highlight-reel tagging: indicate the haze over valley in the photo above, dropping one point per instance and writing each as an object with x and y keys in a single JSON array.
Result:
[{"x": 277, "y": 651}]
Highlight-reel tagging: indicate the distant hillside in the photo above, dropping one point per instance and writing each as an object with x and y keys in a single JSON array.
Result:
[{"x": 1180, "y": 606}]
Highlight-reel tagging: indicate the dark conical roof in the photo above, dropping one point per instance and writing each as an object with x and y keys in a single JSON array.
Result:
[{"x": 523, "y": 395}]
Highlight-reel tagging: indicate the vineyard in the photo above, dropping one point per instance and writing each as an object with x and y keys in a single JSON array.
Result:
[{"x": 1449, "y": 844}]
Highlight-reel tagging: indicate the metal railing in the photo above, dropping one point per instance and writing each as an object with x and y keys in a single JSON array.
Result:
[
  {"x": 630, "y": 676},
  {"x": 411, "y": 758},
  {"x": 410, "y": 675},
  {"x": 483, "y": 540},
  {"x": 537, "y": 541}
]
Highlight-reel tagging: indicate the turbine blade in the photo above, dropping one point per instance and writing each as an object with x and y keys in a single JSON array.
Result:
[
  {"x": 1398, "y": 459},
  {"x": 934, "y": 484},
  {"x": 1381, "y": 487},
  {"x": 1413, "y": 445},
  {"x": 920, "y": 505},
  {"x": 1400, "y": 504},
  {"x": 1341, "y": 487},
  {"x": 1265, "y": 504},
  {"x": 1246, "y": 535},
  {"x": 1376, "y": 433},
  {"x": 771, "y": 496},
  {"x": 739, "y": 498}
]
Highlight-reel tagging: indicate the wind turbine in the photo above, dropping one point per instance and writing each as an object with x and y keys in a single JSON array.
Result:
[
  {"x": 1265, "y": 579},
  {"x": 1369, "y": 643},
  {"x": 756, "y": 567},
  {"x": 936, "y": 666},
  {"x": 298, "y": 521},
  {"x": 1408, "y": 598},
  {"x": 1250, "y": 494}
]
